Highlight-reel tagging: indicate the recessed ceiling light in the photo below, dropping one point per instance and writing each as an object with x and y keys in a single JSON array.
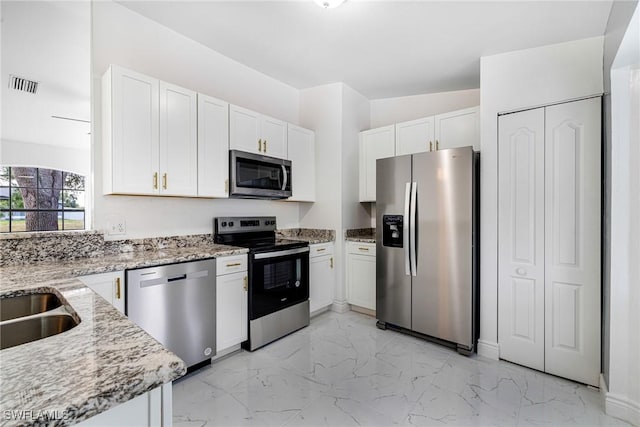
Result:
[{"x": 329, "y": 4}]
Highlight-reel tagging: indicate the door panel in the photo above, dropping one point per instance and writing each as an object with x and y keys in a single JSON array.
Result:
[
  {"x": 572, "y": 240},
  {"x": 442, "y": 287},
  {"x": 521, "y": 238},
  {"x": 274, "y": 137},
  {"x": 458, "y": 129},
  {"x": 393, "y": 285},
  {"x": 244, "y": 130},
  {"x": 374, "y": 144},
  {"x": 414, "y": 136},
  {"x": 213, "y": 147}
]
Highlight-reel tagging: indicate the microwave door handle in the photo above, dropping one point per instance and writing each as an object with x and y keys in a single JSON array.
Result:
[{"x": 285, "y": 177}]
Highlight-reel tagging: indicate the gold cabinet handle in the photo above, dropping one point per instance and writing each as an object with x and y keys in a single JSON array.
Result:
[
  {"x": 235, "y": 264},
  {"x": 164, "y": 181},
  {"x": 155, "y": 181},
  {"x": 265, "y": 145},
  {"x": 321, "y": 250},
  {"x": 226, "y": 186},
  {"x": 331, "y": 262},
  {"x": 364, "y": 249},
  {"x": 118, "y": 294},
  {"x": 260, "y": 145},
  {"x": 437, "y": 145},
  {"x": 246, "y": 283},
  {"x": 430, "y": 146}
]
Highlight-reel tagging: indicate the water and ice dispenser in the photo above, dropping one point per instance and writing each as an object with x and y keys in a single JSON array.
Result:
[{"x": 392, "y": 231}]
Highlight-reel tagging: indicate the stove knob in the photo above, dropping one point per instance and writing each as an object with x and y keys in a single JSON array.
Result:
[
  {"x": 224, "y": 223},
  {"x": 231, "y": 224}
]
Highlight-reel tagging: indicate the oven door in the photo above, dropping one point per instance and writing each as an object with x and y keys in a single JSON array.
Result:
[
  {"x": 260, "y": 177},
  {"x": 277, "y": 280}
]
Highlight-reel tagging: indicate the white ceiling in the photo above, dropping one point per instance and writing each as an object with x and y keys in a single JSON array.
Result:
[
  {"x": 380, "y": 48},
  {"x": 49, "y": 42}
]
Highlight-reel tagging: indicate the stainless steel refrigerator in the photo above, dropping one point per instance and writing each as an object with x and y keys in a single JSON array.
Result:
[{"x": 426, "y": 245}]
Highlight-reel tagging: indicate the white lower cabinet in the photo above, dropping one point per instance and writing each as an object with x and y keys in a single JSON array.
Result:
[
  {"x": 321, "y": 276},
  {"x": 361, "y": 274},
  {"x": 153, "y": 408},
  {"x": 231, "y": 301},
  {"x": 109, "y": 286}
]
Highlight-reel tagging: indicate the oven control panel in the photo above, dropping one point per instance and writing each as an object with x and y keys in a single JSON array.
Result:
[{"x": 242, "y": 224}]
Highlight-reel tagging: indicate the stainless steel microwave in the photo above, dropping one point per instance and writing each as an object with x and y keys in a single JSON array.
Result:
[{"x": 254, "y": 176}]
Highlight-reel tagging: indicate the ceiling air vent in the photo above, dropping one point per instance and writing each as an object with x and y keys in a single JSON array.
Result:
[{"x": 22, "y": 84}]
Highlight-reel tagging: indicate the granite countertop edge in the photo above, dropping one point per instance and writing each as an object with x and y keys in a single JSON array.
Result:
[
  {"x": 361, "y": 239},
  {"x": 102, "y": 362}
]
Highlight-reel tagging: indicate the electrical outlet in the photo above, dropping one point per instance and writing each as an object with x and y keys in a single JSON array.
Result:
[{"x": 116, "y": 226}]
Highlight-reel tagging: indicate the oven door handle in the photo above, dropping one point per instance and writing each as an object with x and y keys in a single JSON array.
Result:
[{"x": 267, "y": 255}]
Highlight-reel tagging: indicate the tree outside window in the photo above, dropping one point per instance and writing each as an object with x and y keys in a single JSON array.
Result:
[{"x": 38, "y": 199}]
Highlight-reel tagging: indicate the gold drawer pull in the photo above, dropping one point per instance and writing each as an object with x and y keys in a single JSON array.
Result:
[
  {"x": 155, "y": 181},
  {"x": 364, "y": 249},
  {"x": 437, "y": 145},
  {"x": 164, "y": 181},
  {"x": 331, "y": 260},
  {"x": 235, "y": 264},
  {"x": 118, "y": 288},
  {"x": 246, "y": 283},
  {"x": 430, "y": 146},
  {"x": 265, "y": 145},
  {"x": 260, "y": 145},
  {"x": 321, "y": 249}
]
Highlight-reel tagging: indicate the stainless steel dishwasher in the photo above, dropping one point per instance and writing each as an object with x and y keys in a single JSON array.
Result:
[{"x": 176, "y": 304}]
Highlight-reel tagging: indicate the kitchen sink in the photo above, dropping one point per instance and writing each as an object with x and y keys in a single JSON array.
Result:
[
  {"x": 27, "y": 305},
  {"x": 22, "y": 331}
]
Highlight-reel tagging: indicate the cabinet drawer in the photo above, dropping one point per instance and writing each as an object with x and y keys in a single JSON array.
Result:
[
  {"x": 231, "y": 264},
  {"x": 361, "y": 248},
  {"x": 320, "y": 249}
]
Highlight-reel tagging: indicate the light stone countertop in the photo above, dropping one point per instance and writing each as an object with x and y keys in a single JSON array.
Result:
[
  {"x": 361, "y": 239},
  {"x": 104, "y": 361}
]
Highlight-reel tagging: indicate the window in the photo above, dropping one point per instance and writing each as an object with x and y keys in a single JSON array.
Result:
[{"x": 38, "y": 199}]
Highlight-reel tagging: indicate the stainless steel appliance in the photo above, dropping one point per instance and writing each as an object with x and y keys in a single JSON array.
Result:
[
  {"x": 426, "y": 246},
  {"x": 175, "y": 304},
  {"x": 258, "y": 177},
  {"x": 278, "y": 277}
]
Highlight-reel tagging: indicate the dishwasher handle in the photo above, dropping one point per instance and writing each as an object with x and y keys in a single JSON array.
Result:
[{"x": 166, "y": 280}]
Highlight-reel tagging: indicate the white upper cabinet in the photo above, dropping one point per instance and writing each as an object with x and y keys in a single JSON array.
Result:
[
  {"x": 149, "y": 135},
  {"x": 415, "y": 136},
  {"x": 213, "y": 147},
  {"x": 301, "y": 148},
  {"x": 374, "y": 144},
  {"x": 458, "y": 129},
  {"x": 130, "y": 143},
  {"x": 255, "y": 133},
  {"x": 178, "y": 141}
]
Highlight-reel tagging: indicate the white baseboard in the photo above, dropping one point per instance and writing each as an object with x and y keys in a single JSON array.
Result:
[
  {"x": 489, "y": 349},
  {"x": 618, "y": 406},
  {"x": 340, "y": 306}
]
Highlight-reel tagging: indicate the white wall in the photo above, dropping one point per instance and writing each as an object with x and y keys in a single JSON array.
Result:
[
  {"x": 20, "y": 153},
  {"x": 508, "y": 82},
  {"x": 623, "y": 397},
  {"x": 388, "y": 111},
  {"x": 126, "y": 38}
]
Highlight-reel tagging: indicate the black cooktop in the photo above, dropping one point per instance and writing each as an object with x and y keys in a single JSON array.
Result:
[{"x": 270, "y": 245}]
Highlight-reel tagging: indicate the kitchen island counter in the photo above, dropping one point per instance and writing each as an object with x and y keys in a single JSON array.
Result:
[{"x": 102, "y": 362}]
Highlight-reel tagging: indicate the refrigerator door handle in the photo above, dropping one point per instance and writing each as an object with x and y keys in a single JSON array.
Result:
[
  {"x": 412, "y": 236},
  {"x": 405, "y": 229}
]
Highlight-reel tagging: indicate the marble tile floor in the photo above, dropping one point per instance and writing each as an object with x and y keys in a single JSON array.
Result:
[{"x": 342, "y": 371}]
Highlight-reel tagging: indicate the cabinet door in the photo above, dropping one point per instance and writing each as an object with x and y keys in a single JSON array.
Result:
[
  {"x": 301, "y": 149},
  {"x": 458, "y": 129},
  {"x": 130, "y": 139},
  {"x": 321, "y": 281},
  {"x": 178, "y": 141},
  {"x": 361, "y": 280},
  {"x": 521, "y": 238},
  {"x": 374, "y": 144},
  {"x": 244, "y": 130},
  {"x": 274, "y": 137},
  {"x": 109, "y": 286},
  {"x": 231, "y": 310},
  {"x": 572, "y": 240},
  {"x": 213, "y": 147},
  {"x": 416, "y": 136}
]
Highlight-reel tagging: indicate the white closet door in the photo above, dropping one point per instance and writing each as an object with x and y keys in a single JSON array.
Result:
[
  {"x": 572, "y": 240},
  {"x": 521, "y": 238}
]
